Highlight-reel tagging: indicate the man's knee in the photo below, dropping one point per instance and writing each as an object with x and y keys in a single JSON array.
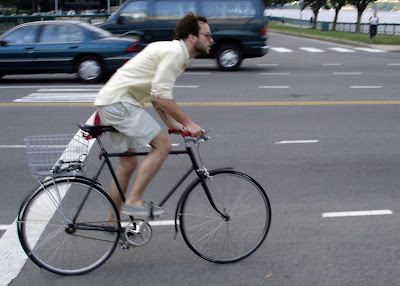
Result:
[{"x": 162, "y": 143}]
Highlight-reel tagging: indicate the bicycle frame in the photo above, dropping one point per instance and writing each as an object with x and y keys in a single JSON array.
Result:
[{"x": 202, "y": 173}]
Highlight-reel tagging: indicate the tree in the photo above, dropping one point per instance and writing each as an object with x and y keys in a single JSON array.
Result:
[
  {"x": 337, "y": 5},
  {"x": 360, "y": 6},
  {"x": 315, "y": 6}
]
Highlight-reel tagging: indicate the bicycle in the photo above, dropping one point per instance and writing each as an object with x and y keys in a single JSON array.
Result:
[{"x": 223, "y": 215}]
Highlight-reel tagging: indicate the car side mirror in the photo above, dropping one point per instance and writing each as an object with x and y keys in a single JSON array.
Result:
[{"x": 3, "y": 43}]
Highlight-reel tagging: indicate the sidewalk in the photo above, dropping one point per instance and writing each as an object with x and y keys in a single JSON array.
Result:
[{"x": 387, "y": 48}]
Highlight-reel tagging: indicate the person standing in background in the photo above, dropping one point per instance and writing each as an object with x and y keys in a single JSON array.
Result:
[{"x": 373, "y": 26}]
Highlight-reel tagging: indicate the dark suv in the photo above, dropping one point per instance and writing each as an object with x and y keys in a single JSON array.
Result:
[{"x": 238, "y": 26}]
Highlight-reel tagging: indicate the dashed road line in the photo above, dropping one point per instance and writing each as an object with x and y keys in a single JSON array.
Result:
[
  {"x": 357, "y": 213},
  {"x": 366, "y": 86},
  {"x": 346, "y": 73},
  {"x": 297, "y": 142},
  {"x": 274, "y": 86}
]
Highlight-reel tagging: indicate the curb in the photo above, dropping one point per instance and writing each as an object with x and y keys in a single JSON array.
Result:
[{"x": 387, "y": 48}]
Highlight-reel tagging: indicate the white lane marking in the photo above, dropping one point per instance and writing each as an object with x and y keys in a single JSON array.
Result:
[
  {"x": 370, "y": 50},
  {"x": 6, "y": 226},
  {"x": 393, "y": 64},
  {"x": 46, "y": 86},
  {"x": 311, "y": 50},
  {"x": 275, "y": 73},
  {"x": 267, "y": 65},
  {"x": 332, "y": 64},
  {"x": 12, "y": 146},
  {"x": 58, "y": 97},
  {"x": 297, "y": 142},
  {"x": 366, "y": 86},
  {"x": 12, "y": 257},
  {"x": 67, "y": 89},
  {"x": 341, "y": 50},
  {"x": 357, "y": 213},
  {"x": 281, "y": 50},
  {"x": 162, "y": 222},
  {"x": 346, "y": 73},
  {"x": 271, "y": 86}
]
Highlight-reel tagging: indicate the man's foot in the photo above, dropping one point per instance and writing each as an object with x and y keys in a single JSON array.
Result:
[{"x": 143, "y": 210}]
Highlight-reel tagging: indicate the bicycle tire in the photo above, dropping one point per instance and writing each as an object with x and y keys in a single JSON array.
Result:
[
  {"x": 212, "y": 237},
  {"x": 48, "y": 236}
]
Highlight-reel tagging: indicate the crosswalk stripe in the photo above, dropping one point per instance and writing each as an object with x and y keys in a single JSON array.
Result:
[
  {"x": 281, "y": 50},
  {"x": 58, "y": 97},
  {"x": 311, "y": 50},
  {"x": 369, "y": 50},
  {"x": 341, "y": 50}
]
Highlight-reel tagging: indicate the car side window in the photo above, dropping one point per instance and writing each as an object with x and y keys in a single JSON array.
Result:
[
  {"x": 23, "y": 35},
  {"x": 61, "y": 33},
  {"x": 167, "y": 9},
  {"x": 228, "y": 9},
  {"x": 136, "y": 10}
]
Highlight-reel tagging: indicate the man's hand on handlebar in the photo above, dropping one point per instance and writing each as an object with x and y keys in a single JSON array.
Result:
[{"x": 194, "y": 129}]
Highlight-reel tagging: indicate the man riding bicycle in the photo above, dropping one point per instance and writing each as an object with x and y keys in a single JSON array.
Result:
[{"x": 150, "y": 75}]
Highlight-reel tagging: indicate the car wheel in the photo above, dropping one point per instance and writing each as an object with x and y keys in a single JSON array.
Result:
[
  {"x": 229, "y": 57},
  {"x": 90, "y": 69}
]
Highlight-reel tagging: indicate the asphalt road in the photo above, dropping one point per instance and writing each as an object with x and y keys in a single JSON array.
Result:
[{"x": 318, "y": 128}]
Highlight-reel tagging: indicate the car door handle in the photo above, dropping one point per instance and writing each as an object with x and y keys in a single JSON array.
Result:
[
  {"x": 73, "y": 47},
  {"x": 30, "y": 48}
]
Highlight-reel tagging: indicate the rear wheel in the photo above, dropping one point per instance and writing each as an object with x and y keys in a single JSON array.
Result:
[
  {"x": 61, "y": 226},
  {"x": 90, "y": 69},
  {"x": 229, "y": 57},
  {"x": 237, "y": 234}
]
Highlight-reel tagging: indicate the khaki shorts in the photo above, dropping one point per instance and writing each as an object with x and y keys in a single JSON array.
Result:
[{"x": 136, "y": 127}]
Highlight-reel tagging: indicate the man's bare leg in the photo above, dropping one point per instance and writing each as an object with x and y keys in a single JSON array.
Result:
[
  {"x": 124, "y": 172},
  {"x": 149, "y": 167}
]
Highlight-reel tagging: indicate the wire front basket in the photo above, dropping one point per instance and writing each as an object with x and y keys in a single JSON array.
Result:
[{"x": 57, "y": 155}]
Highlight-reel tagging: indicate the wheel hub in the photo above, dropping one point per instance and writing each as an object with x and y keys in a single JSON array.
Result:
[{"x": 89, "y": 70}]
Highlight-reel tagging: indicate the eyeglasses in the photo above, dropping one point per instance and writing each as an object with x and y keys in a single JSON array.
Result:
[{"x": 208, "y": 35}]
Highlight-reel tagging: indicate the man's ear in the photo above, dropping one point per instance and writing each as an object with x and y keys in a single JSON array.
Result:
[{"x": 192, "y": 38}]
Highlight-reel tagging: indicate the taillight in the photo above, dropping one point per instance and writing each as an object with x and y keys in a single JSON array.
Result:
[
  {"x": 132, "y": 48},
  {"x": 263, "y": 31}
]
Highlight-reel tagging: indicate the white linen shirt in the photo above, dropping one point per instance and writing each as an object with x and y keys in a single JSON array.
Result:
[{"x": 151, "y": 73}]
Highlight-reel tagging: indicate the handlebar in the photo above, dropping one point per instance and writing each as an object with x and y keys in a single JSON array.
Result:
[{"x": 188, "y": 136}]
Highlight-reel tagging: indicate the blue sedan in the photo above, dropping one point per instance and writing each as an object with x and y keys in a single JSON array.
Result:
[{"x": 64, "y": 47}]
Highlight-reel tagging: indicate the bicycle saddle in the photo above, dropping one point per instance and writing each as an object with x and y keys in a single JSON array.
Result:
[{"x": 96, "y": 130}]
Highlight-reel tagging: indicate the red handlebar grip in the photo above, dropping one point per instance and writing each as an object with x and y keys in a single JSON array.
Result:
[{"x": 183, "y": 133}]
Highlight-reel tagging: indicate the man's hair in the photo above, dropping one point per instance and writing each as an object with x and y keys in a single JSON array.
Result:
[{"x": 188, "y": 25}]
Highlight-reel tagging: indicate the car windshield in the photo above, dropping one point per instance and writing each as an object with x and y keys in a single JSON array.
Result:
[{"x": 96, "y": 30}]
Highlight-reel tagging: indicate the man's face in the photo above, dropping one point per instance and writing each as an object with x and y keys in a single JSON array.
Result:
[{"x": 204, "y": 40}]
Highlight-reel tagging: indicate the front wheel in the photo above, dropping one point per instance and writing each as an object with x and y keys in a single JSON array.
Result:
[
  {"x": 61, "y": 226},
  {"x": 242, "y": 229}
]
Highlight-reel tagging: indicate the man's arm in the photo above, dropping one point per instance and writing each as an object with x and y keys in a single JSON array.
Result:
[{"x": 169, "y": 110}]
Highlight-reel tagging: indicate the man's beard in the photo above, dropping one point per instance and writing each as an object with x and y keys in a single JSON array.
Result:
[{"x": 202, "y": 50}]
